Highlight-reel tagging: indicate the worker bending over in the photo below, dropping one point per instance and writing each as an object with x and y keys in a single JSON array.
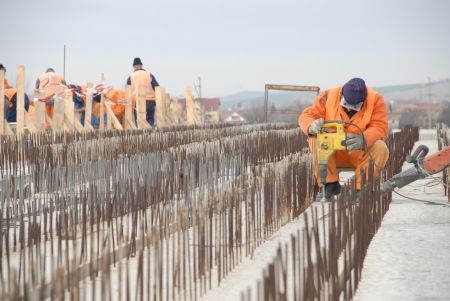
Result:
[
  {"x": 141, "y": 77},
  {"x": 362, "y": 106},
  {"x": 11, "y": 100},
  {"x": 49, "y": 84}
]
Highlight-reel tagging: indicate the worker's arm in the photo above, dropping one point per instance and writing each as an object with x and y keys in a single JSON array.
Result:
[
  {"x": 154, "y": 81},
  {"x": 377, "y": 128},
  {"x": 27, "y": 102},
  {"x": 316, "y": 111}
]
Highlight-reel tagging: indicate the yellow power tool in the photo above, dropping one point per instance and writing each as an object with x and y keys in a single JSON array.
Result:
[{"x": 330, "y": 138}]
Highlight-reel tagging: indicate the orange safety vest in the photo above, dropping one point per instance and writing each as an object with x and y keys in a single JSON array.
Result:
[
  {"x": 142, "y": 78},
  {"x": 118, "y": 97},
  {"x": 9, "y": 94},
  {"x": 51, "y": 83},
  {"x": 362, "y": 118}
]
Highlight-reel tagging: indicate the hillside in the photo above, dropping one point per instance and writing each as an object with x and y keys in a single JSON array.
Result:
[{"x": 440, "y": 91}]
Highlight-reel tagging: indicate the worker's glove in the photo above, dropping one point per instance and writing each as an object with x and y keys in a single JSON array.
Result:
[
  {"x": 315, "y": 126},
  {"x": 354, "y": 141}
]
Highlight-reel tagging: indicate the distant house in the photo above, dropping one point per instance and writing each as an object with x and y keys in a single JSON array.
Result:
[
  {"x": 414, "y": 112},
  {"x": 235, "y": 118}
]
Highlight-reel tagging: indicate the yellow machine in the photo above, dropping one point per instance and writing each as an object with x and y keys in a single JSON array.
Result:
[{"x": 331, "y": 138}]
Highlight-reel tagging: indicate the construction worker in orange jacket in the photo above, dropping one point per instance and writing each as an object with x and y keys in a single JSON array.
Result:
[
  {"x": 141, "y": 77},
  {"x": 50, "y": 84},
  {"x": 362, "y": 106},
  {"x": 11, "y": 100}
]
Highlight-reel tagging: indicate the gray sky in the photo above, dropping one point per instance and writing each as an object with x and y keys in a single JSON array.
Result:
[{"x": 233, "y": 45}]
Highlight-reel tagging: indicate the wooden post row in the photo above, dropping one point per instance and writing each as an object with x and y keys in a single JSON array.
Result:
[{"x": 88, "y": 106}]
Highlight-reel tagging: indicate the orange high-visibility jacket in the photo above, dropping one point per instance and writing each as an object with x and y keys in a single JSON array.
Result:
[
  {"x": 117, "y": 96},
  {"x": 9, "y": 94},
  {"x": 142, "y": 78},
  {"x": 51, "y": 83},
  {"x": 372, "y": 118}
]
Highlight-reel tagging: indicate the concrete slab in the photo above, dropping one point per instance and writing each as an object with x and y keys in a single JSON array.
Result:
[{"x": 409, "y": 257}]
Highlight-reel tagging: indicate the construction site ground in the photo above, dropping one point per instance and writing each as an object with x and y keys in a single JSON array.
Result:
[{"x": 409, "y": 257}]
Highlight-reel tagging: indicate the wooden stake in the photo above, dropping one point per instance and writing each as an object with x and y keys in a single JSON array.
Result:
[
  {"x": 2, "y": 102},
  {"x": 20, "y": 100},
  {"x": 129, "y": 118},
  {"x": 191, "y": 112},
  {"x": 30, "y": 124},
  {"x": 88, "y": 106},
  {"x": 175, "y": 111},
  {"x": 141, "y": 109},
  {"x": 102, "y": 109},
  {"x": 69, "y": 107},
  {"x": 4, "y": 127},
  {"x": 39, "y": 113},
  {"x": 159, "y": 113},
  {"x": 112, "y": 119},
  {"x": 58, "y": 119}
]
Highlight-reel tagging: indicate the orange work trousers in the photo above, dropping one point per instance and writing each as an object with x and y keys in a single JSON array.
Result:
[{"x": 358, "y": 159}]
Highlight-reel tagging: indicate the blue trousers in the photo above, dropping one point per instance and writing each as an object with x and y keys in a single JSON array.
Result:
[{"x": 150, "y": 104}]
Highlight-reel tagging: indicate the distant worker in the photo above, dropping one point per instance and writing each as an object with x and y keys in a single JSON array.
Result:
[
  {"x": 141, "y": 77},
  {"x": 6, "y": 84},
  {"x": 50, "y": 84},
  {"x": 11, "y": 100},
  {"x": 362, "y": 106}
]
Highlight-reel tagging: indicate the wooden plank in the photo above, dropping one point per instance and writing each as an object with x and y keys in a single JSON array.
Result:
[
  {"x": 69, "y": 108},
  {"x": 31, "y": 127},
  {"x": 58, "y": 118},
  {"x": 160, "y": 117},
  {"x": 190, "y": 107},
  {"x": 88, "y": 105},
  {"x": 102, "y": 109},
  {"x": 78, "y": 126},
  {"x": 108, "y": 120},
  {"x": 4, "y": 126},
  {"x": 141, "y": 108},
  {"x": 2, "y": 103},
  {"x": 293, "y": 88},
  {"x": 176, "y": 111},
  {"x": 71, "y": 123},
  {"x": 49, "y": 121},
  {"x": 129, "y": 118},
  {"x": 20, "y": 100},
  {"x": 88, "y": 127},
  {"x": 39, "y": 112},
  {"x": 167, "y": 113},
  {"x": 112, "y": 118}
]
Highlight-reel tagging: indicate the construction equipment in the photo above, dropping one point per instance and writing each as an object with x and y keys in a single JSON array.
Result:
[
  {"x": 269, "y": 87},
  {"x": 330, "y": 138},
  {"x": 423, "y": 167}
]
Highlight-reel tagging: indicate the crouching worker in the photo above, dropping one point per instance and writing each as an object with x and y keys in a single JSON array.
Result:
[
  {"x": 11, "y": 104},
  {"x": 11, "y": 100},
  {"x": 362, "y": 106}
]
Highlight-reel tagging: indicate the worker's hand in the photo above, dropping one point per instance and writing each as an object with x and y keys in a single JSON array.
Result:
[
  {"x": 315, "y": 126},
  {"x": 354, "y": 141}
]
